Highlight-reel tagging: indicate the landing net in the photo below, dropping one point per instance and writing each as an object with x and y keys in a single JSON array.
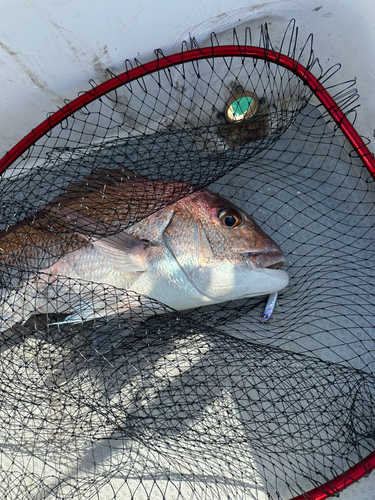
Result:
[{"x": 153, "y": 403}]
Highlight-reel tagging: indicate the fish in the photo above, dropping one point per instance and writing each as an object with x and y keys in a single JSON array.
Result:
[{"x": 165, "y": 240}]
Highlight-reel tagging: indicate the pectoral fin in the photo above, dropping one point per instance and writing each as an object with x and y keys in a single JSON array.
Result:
[{"x": 125, "y": 252}]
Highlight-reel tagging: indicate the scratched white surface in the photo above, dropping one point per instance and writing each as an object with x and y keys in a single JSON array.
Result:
[{"x": 49, "y": 49}]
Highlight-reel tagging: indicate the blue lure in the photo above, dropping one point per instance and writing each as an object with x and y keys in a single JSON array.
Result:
[{"x": 270, "y": 306}]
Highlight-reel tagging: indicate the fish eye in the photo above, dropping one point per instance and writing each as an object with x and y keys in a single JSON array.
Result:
[{"x": 230, "y": 217}]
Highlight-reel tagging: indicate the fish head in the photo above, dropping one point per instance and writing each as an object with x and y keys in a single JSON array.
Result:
[{"x": 222, "y": 250}]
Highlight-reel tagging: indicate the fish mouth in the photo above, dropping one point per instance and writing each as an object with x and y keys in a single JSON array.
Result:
[{"x": 269, "y": 260}]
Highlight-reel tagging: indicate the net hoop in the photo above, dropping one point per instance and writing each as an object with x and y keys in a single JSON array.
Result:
[
  {"x": 365, "y": 466},
  {"x": 195, "y": 55},
  {"x": 339, "y": 483}
]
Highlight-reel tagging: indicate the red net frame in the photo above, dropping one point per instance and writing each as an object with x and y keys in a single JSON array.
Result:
[{"x": 368, "y": 464}]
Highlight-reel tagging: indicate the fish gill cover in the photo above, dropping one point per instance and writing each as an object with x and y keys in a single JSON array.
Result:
[{"x": 114, "y": 394}]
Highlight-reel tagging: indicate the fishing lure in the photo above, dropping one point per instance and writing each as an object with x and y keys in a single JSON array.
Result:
[{"x": 270, "y": 306}]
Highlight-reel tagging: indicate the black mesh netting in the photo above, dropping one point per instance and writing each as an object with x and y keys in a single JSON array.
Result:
[{"x": 141, "y": 401}]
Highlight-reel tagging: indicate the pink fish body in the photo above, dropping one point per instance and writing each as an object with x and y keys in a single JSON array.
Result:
[{"x": 198, "y": 250}]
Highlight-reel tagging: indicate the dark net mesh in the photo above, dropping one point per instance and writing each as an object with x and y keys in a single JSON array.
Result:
[{"x": 111, "y": 394}]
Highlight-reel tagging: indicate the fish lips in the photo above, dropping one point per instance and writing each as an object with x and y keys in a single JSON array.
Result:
[{"x": 269, "y": 260}]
